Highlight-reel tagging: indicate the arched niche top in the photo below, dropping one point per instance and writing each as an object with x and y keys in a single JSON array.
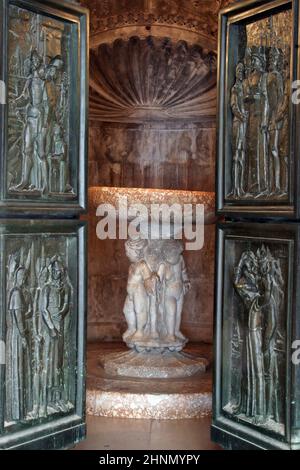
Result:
[{"x": 152, "y": 79}]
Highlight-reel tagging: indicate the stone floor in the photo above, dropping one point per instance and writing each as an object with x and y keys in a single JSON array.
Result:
[{"x": 137, "y": 434}]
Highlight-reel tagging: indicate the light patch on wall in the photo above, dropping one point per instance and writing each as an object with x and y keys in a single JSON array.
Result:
[
  {"x": 2, "y": 92},
  {"x": 2, "y": 353}
]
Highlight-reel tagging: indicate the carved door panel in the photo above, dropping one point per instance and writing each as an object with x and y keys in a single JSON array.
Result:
[
  {"x": 258, "y": 144},
  {"x": 43, "y": 161},
  {"x": 43, "y": 124},
  {"x": 257, "y": 377},
  {"x": 42, "y": 320}
]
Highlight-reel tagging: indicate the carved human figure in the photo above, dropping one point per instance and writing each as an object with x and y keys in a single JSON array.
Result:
[
  {"x": 18, "y": 353},
  {"x": 257, "y": 133},
  {"x": 239, "y": 132},
  {"x": 248, "y": 61},
  {"x": 35, "y": 129},
  {"x": 59, "y": 168},
  {"x": 175, "y": 284},
  {"x": 52, "y": 99},
  {"x": 43, "y": 117},
  {"x": 55, "y": 144},
  {"x": 273, "y": 282},
  {"x": 258, "y": 281},
  {"x": 246, "y": 284},
  {"x": 260, "y": 100},
  {"x": 275, "y": 88},
  {"x": 141, "y": 284},
  {"x": 56, "y": 304},
  {"x": 39, "y": 409},
  {"x": 53, "y": 102},
  {"x": 283, "y": 119}
]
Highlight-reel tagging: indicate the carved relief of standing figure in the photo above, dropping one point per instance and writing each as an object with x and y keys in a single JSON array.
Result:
[
  {"x": 257, "y": 133},
  {"x": 239, "y": 132},
  {"x": 284, "y": 141},
  {"x": 55, "y": 145},
  {"x": 275, "y": 89},
  {"x": 259, "y": 281},
  {"x": 35, "y": 131},
  {"x": 38, "y": 409},
  {"x": 175, "y": 284},
  {"x": 52, "y": 98},
  {"x": 18, "y": 354},
  {"x": 273, "y": 280},
  {"x": 56, "y": 305},
  {"x": 246, "y": 282}
]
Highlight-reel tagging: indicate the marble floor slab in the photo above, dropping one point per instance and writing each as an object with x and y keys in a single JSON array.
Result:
[{"x": 136, "y": 434}]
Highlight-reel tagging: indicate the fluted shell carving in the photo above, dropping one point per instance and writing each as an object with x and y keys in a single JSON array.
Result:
[{"x": 152, "y": 79}]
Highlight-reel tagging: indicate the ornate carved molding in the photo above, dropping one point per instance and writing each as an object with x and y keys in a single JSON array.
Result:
[
  {"x": 151, "y": 79},
  {"x": 199, "y": 17}
]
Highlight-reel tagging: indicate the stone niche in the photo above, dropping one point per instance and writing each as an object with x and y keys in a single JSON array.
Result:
[{"x": 152, "y": 125}]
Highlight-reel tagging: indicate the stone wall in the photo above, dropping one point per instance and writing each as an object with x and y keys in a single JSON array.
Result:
[{"x": 157, "y": 157}]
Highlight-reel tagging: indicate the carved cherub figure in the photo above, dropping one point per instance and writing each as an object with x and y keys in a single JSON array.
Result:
[
  {"x": 141, "y": 284},
  {"x": 175, "y": 284}
]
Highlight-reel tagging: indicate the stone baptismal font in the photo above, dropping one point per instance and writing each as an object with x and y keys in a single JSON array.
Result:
[
  {"x": 157, "y": 284},
  {"x": 153, "y": 375}
]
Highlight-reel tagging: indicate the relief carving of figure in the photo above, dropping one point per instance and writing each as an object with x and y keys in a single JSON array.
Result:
[
  {"x": 239, "y": 131},
  {"x": 246, "y": 284},
  {"x": 38, "y": 328},
  {"x": 273, "y": 341},
  {"x": 44, "y": 158},
  {"x": 283, "y": 119},
  {"x": 258, "y": 282},
  {"x": 275, "y": 89},
  {"x": 260, "y": 101},
  {"x": 55, "y": 145},
  {"x": 39, "y": 408},
  {"x": 55, "y": 307},
  {"x": 258, "y": 107},
  {"x": 18, "y": 354},
  {"x": 35, "y": 129}
]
